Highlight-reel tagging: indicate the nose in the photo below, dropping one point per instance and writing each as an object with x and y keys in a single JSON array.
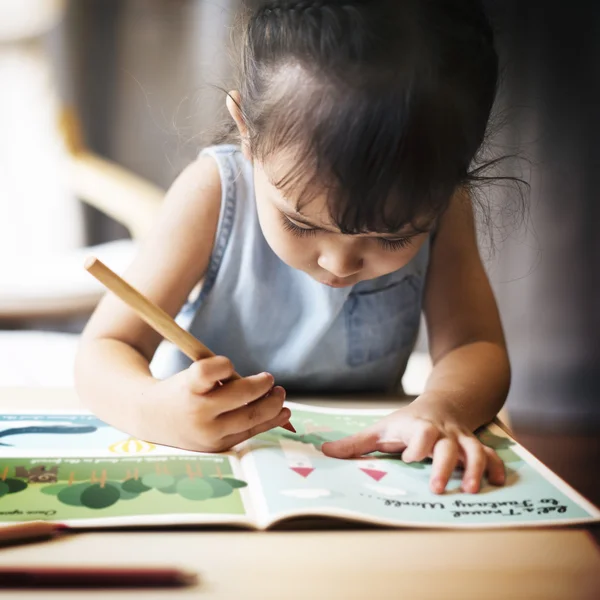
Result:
[{"x": 341, "y": 262}]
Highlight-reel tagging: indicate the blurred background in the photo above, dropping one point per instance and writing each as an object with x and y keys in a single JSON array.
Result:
[{"x": 106, "y": 101}]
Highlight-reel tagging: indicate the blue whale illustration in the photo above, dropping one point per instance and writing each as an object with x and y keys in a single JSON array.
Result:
[{"x": 60, "y": 429}]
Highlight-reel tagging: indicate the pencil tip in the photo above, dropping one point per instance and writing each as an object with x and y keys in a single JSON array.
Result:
[
  {"x": 187, "y": 578},
  {"x": 289, "y": 427}
]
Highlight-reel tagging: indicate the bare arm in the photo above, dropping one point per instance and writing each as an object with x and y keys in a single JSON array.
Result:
[
  {"x": 112, "y": 368},
  {"x": 471, "y": 373},
  {"x": 112, "y": 372}
]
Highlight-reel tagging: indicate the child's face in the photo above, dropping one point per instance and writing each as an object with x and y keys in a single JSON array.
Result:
[{"x": 311, "y": 243}]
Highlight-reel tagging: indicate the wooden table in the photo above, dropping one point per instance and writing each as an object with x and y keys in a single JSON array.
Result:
[{"x": 357, "y": 563}]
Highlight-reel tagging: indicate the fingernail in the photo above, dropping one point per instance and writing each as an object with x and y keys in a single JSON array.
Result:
[
  {"x": 268, "y": 376},
  {"x": 472, "y": 485},
  {"x": 437, "y": 486},
  {"x": 279, "y": 390}
]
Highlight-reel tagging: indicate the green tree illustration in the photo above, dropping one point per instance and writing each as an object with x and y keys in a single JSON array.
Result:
[
  {"x": 11, "y": 485},
  {"x": 195, "y": 485},
  {"x": 98, "y": 493}
]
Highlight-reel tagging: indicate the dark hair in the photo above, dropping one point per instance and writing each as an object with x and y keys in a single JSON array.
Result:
[{"x": 384, "y": 103}]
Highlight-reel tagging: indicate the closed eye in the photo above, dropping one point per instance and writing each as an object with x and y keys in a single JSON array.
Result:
[
  {"x": 305, "y": 231},
  {"x": 394, "y": 245},
  {"x": 297, "y": 230}
]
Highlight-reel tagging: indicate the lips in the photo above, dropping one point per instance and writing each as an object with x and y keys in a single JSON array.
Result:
[{"x": 336, "y": 284}]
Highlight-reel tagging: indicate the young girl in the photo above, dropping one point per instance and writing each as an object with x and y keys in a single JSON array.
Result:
[{"x": 342, "y": 213}]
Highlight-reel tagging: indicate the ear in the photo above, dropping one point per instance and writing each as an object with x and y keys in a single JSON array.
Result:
[{"x": 233, "y": 106}]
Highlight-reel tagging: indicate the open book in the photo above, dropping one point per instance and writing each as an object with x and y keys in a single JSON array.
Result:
[{"x": 73, "y": 468}]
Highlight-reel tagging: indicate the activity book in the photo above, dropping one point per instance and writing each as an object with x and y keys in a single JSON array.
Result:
[{"x": 72, "y": 468}]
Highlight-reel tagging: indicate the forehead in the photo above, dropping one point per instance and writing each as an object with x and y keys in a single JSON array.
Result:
[
  {"x": 299, "y": 194},
  {"x": 292, "y": 184}
]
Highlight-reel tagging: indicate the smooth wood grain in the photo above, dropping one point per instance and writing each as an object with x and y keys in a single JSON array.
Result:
[
  {"x": 352, "y": 564},
  {"x": 155, "y": 316}
]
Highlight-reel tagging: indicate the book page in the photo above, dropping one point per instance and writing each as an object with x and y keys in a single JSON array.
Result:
[
  {"x": 75, "y": 469},
  {"x": 298, "y": 480}
]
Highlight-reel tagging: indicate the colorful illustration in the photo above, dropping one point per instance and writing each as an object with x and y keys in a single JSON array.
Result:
[
  {"x": 127, "y": 486},
  {"x": 298, "y": 456},
  {"x": 132, "y": 446},
  {"x": 11, "y": 485},
  {"x": 39, "y": 474},
  {"x": 295, "y": 475},
  {"x": 73, "y": 468},
  {"x": 375, "y": 469},
  {"x": 64, "y": 434},
  {"x": 21, "y": 428}
]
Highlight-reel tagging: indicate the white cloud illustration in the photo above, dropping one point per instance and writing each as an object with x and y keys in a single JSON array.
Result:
[
  {"x": 307, "y": 494},
  {"x": 385, "y": 490}
]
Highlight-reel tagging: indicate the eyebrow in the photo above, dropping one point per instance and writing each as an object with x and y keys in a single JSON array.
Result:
[{"x": 296, "y": 216}]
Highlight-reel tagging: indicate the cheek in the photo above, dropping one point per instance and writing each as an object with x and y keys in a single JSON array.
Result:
[{"x": 382, "y": 262}]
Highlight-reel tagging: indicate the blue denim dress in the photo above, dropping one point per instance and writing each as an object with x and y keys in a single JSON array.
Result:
[{"x": 267, "y": 316}]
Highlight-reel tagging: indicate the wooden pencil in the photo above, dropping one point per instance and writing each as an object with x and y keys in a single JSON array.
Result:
[
  {"x": 152, "y": 314},
  {"x": 80, "y": 577},
  {"x": 29, "y": 532}
]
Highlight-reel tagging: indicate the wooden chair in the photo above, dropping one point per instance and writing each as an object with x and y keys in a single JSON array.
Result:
[{"x": 57, "y": 287}]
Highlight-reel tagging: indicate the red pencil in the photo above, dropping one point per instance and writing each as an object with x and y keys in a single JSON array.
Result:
[
  {"x": 20, "y": 533},
  {"x": 94, "y": 577}
]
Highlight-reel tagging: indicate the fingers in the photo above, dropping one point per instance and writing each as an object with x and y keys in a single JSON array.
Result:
[
  {"x": 254, "y": 414},
  {"x": 445, "y": 457},
  {"x": 203, "y": 375},
  {"x": 282, "y": 418},
  {"x": 478, "y": 460},
  {"x": 421, "y": 444},
  {"x": 354, "y": 445},
  {"x": 475, "y": 461},
  {"x": 239, "y": 392},
  {"x": 495, "y": 467}
]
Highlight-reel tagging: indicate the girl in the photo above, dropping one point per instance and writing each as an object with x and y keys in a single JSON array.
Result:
[{"x": 318, "y": 240}]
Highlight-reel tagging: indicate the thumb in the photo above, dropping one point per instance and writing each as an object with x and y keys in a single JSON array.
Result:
[{"x": 358, "y": 444}]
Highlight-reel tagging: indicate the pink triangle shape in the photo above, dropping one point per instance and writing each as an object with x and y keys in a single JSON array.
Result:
[
  {"x": 304, "y": 471},
  {"x": 376, "y": 474}
]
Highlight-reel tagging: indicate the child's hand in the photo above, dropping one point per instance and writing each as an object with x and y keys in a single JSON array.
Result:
[
  {"x": 205, "y": 416},
  {"x": 419, "y": 435}
]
